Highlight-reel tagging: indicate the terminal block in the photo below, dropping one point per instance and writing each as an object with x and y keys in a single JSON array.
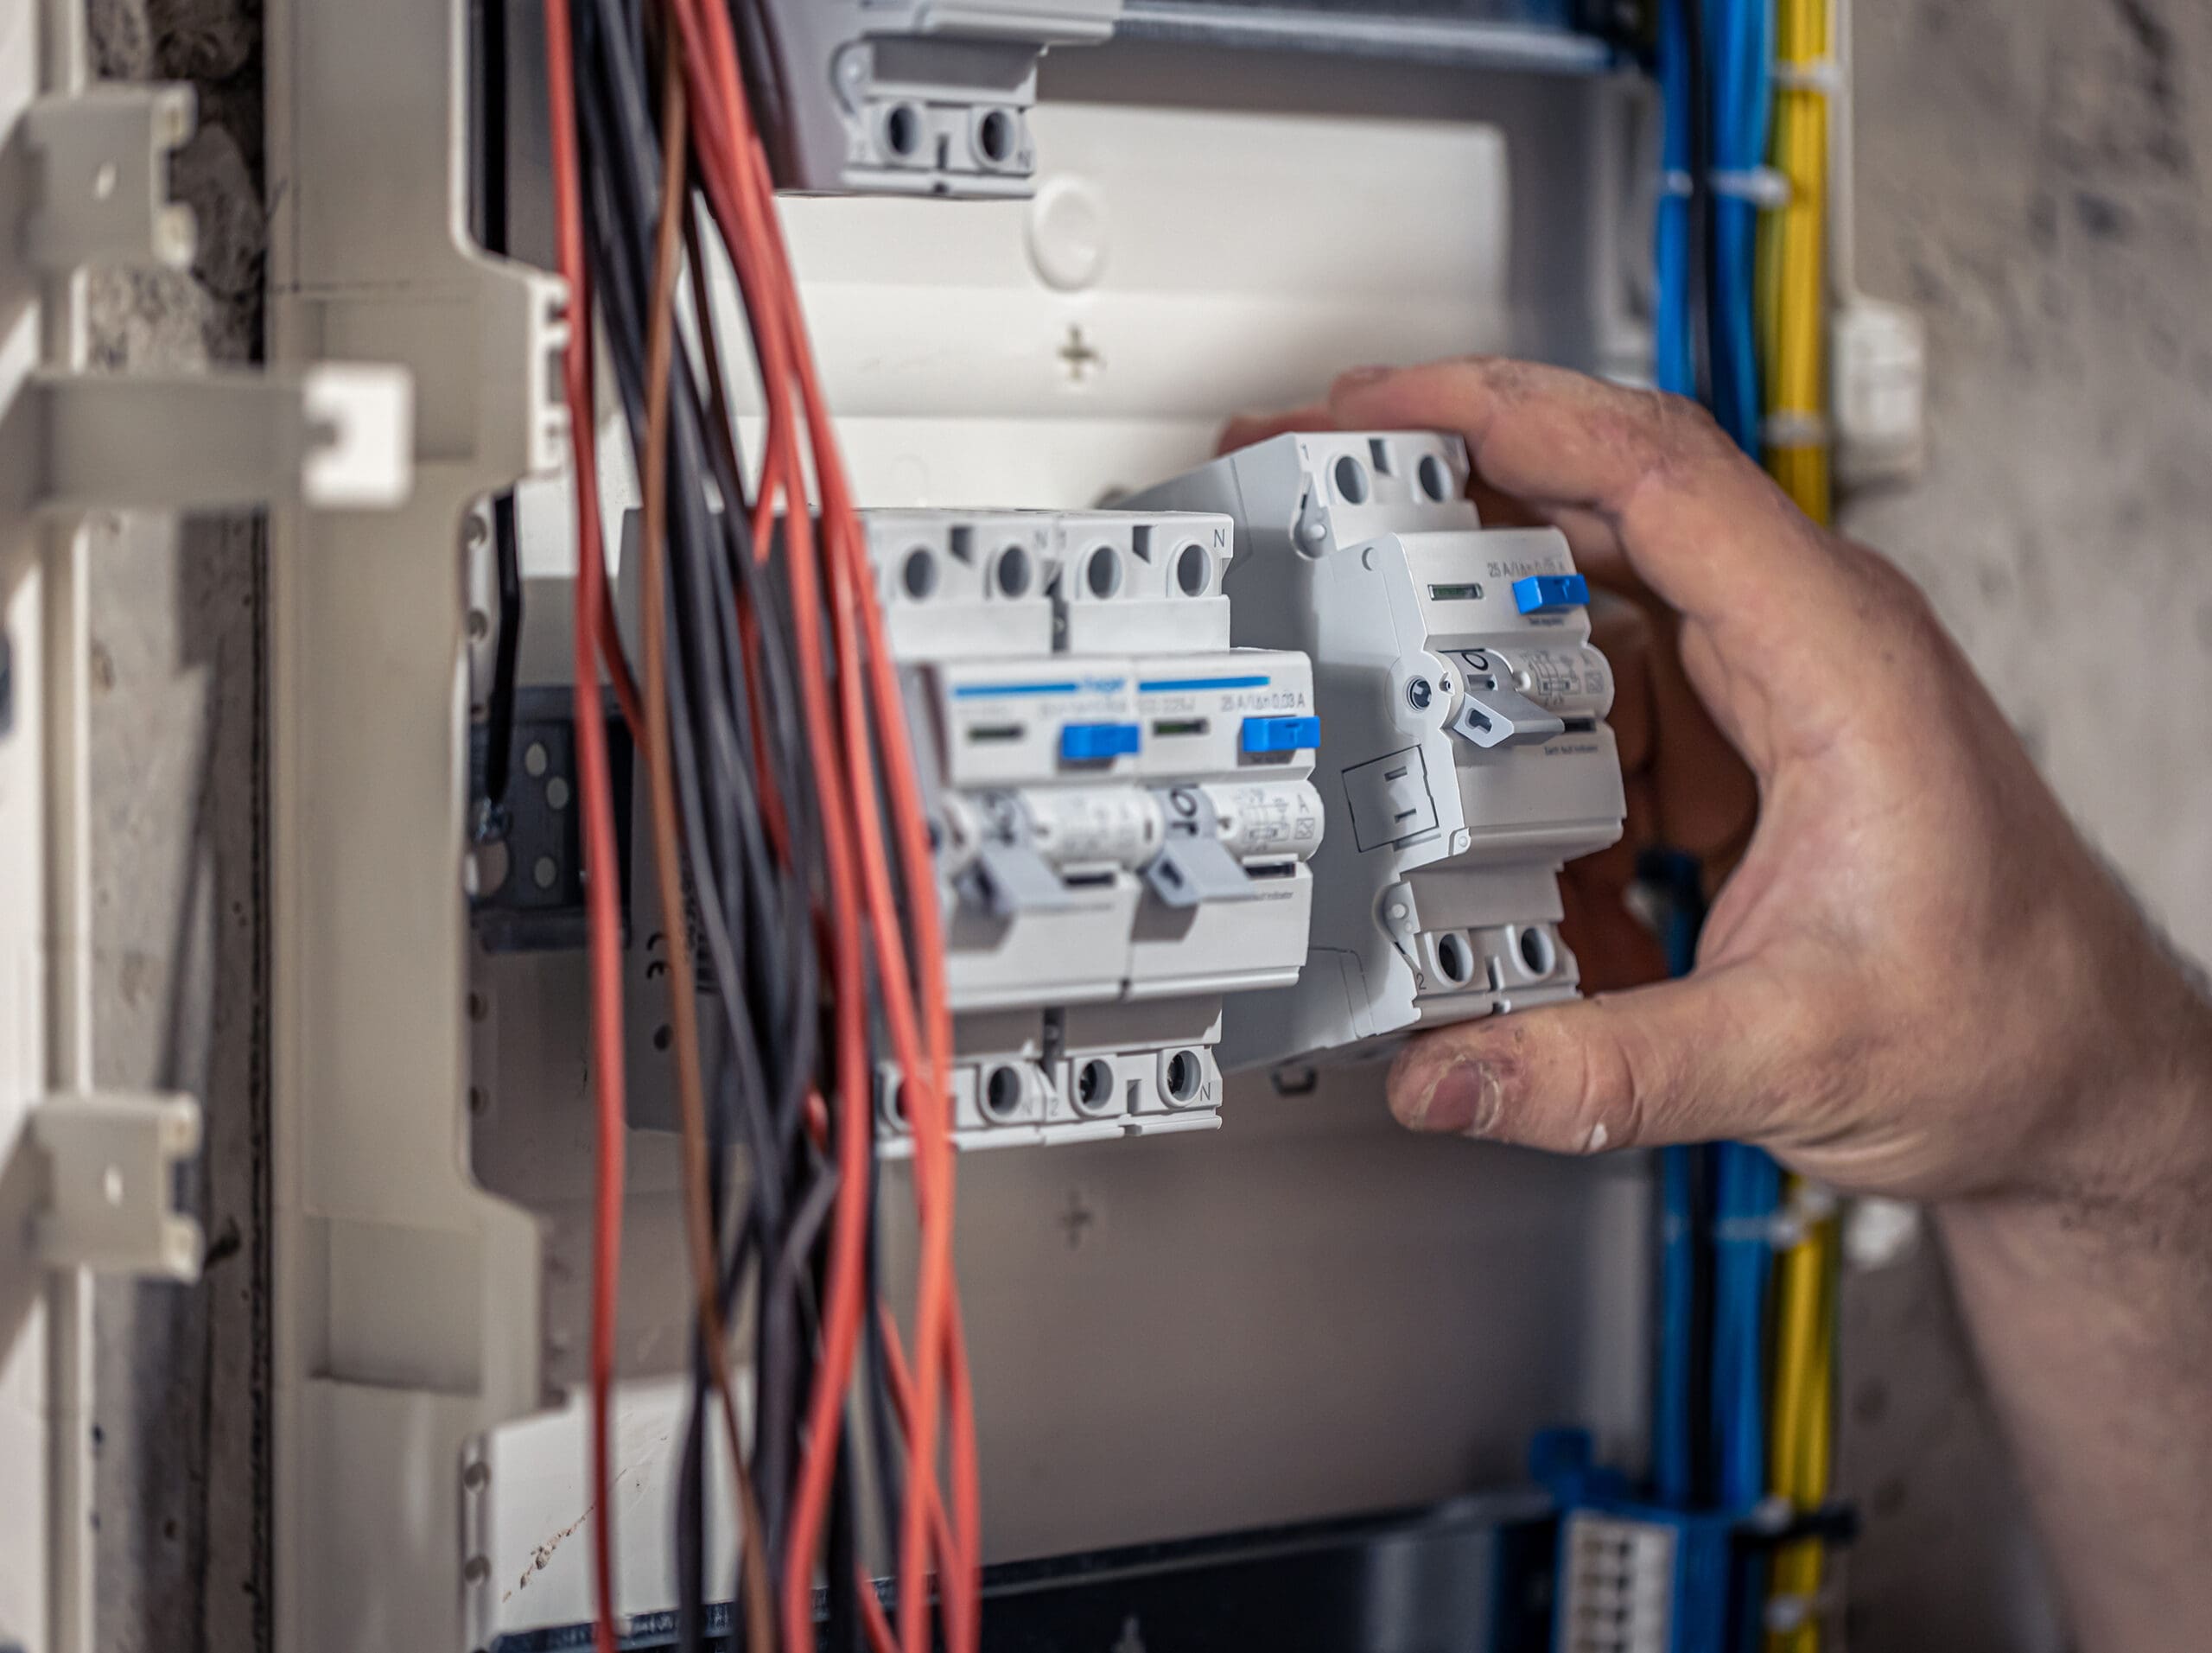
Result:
[
  {"x": 1122, "y": 802},
  {"x": 914, "y": 97},
  {"x": 1463, "y": 753}
]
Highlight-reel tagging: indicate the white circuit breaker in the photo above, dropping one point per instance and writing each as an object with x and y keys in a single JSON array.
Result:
[
  {"x": 1464, "y": 755},
  {"x": 1123, "y": 806},
  {"x": 916, "y": 96}
]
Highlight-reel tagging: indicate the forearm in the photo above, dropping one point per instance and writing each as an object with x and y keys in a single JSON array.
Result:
[{"x": 2092, "y": 1315}]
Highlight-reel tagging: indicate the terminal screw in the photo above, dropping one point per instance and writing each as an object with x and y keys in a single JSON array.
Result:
[{"x": 1418, "y": 693}]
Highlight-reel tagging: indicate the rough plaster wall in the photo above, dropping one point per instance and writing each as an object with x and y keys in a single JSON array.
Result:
[
  {"x": 177, "y": 922},
  {"x": 2032, "y": 179}
]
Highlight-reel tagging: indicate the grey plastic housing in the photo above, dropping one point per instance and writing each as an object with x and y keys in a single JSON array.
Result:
[
  {"x": 917, "y": 97},
  {"x": 1464, "y": 755}
]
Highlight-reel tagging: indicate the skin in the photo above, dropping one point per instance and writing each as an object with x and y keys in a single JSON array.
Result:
[{"x": 1915, "y": 979}]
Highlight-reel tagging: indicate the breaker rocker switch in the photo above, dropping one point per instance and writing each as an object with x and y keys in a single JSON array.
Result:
[
  {"x": 1501, "y": 717},
  {"x": 1193, "y": 865}
]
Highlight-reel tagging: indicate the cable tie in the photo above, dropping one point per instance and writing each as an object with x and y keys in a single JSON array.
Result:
[
  {"x": 1750, "y": 1230},
  {"x": 1787, "y": 428},
  {"x": 1786, "y": 1614},
  {"x": 1677, "y": 181},
  {"x": 1762, "y": 187},
  {"x": 1821, "y": 74}
]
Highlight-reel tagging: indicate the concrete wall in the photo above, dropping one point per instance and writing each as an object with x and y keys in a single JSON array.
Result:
[
  {"x": 2030, "y": 178},
  {"x": 180, "y": 955}
]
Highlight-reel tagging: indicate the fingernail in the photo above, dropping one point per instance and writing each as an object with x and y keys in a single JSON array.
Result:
[
  {"x": 1451, "y": 1093},
  {"x": 1485, "y": 1104},
  {"x": 1415, "y": 1072},
  {"x": 1357, "y": 377}
]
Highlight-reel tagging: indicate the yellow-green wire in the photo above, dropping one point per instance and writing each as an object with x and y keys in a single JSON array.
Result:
[{"x": 1791, "y": 292}]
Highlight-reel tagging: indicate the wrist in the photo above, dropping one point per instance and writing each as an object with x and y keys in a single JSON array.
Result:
[{"x": 2128, "y": 1149}]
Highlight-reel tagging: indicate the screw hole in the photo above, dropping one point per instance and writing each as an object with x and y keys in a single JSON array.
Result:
[
  {"x": 1186, "y": 1076},
  {"x": 1352, "y": 480},
  {"x": 917, "y": 573},
  {"x": 1101, "y": 571},
  {"x": 1003, "y": 1093},
  {"x": 902, "y": 130},
  {"x": 1193, "y": 570},
  {"x": 1455, "y": 959},
  {"x": 1094, "y": 1086},
  {"x": 1436, "y": 477},
  {"x": 1537, "y": 952},
  {"x": 1012, "y": 572},
  {"x": 994, "y": 137}
]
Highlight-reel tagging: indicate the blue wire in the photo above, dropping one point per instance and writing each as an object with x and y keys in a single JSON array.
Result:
[
  {"x": 1738, "y": 48},
  {"x": 1674, "y": 329}
]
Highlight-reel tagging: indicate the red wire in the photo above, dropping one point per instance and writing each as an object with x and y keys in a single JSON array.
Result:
[
  {"x": 593, "y": 625},
  {"x": 733, "y": 174}
]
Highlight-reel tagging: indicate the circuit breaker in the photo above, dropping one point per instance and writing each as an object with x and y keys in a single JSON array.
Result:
[
  {"x": 1122, "y": 802},
  {"x": 1464, "y": 753},
  {"x": 916, "y": 96}
]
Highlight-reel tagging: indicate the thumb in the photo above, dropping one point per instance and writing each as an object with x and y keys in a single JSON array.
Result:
[{"x": 1712, "y": 1056}]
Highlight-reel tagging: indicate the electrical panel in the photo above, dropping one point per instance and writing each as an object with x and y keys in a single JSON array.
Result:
[
  {"x": 916, "y": 96},
  {"x": 1463, "y": 751},
  {"x": 1122, "y": 802}
]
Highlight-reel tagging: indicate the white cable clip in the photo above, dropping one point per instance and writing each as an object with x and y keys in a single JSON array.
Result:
[
  {"x": 1786, "y": 1614},
  {"x": 1764, "y": 187},
  {"x": 1785, "y": 428},
  {"x": 1676, "y": 180},
  {"x": 1821, "y": 74},
  {"x": 1813, "y": 1204}
]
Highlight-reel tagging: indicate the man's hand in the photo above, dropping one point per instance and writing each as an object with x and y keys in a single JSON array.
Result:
[{"x": 1916, "y": 979}]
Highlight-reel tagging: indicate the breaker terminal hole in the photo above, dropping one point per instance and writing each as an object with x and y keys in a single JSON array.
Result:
[
  {"x": 1003, "y": 1093},
  {"x": 1537, "y": 952},
  {"x": 1193, "y": 570},
  {"x": 1094, "y": 1086},
  {"x": 1435, "y": 478},
  {"x": 1101, "y": 571},
  {"x": 1352, "y": 480},
  {"x": 994, "y": 137},
  {"x": 1013, "y": 572},
  {"x": 1455, "y": 959},
  {"x": 902, "y": 130},
  {"x": 1187, "y": 1077},
  {"x": 918, "y": 573}
]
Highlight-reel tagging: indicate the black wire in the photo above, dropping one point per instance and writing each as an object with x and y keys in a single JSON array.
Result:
[
  {"x": 500, "y": 704},
  {"x": 492, "y": 229}
]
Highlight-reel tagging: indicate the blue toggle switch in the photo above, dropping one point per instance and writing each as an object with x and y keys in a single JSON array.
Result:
[
  {"x": 1281, "y": 733},
  {"x": 1098, "y": 743},
  {"x": 1547, "y": 593}
]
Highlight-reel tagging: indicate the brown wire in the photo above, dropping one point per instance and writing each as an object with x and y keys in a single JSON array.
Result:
[{"x": 660, "y": 770}]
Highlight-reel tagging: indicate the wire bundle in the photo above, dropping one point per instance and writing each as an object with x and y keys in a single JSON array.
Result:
[
  {"x": 796, "y": 894},
  {"x": 1743, "y": 1390}
]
